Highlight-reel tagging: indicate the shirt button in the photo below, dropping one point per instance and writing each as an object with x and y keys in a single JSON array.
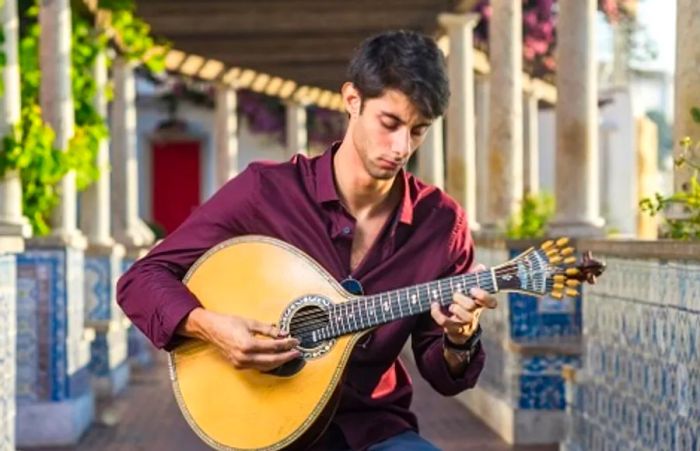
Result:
[{"x": 346, "y": 230}]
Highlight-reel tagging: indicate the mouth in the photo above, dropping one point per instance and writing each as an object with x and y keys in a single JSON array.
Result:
[{"x": 387, "y": 164}]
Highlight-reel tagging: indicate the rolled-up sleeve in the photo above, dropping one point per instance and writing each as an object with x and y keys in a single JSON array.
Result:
[
  {"x": 427, "y": 338},
  {"x": 151, "y": 292}
]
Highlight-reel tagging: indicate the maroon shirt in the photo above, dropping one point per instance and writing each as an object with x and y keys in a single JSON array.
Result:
[{"x": 426, "y": 238}]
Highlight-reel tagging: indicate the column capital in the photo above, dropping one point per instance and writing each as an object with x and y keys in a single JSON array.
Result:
[{"x": 453, "y": 20}]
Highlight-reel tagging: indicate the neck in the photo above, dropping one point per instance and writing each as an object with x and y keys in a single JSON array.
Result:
[{"x": 362, "y": 194}]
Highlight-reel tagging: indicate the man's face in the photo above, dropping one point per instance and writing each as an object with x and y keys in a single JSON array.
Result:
[{"x": 386, "y": 133}]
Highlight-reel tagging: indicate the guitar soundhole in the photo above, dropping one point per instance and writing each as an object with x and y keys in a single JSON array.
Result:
[{"x": 305, "y": 322}]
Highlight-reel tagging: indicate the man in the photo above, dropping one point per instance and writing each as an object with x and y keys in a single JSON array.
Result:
[{"x": 361, "y": 216}]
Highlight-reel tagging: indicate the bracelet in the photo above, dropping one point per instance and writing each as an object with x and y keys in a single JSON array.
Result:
[{"x": 468, "y": 346}]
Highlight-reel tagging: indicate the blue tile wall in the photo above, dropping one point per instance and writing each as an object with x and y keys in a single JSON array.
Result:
[
  {"x": 52, "y": 350},
  {"x": 98, "y": 288},
  {"x": 639, "y": 387},
  {"x": 8, "y": 330}
]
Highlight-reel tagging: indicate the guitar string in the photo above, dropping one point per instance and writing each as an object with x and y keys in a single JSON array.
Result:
[
  {"x": 468, "y": 277},
  {"x": 310, "y": 321}
]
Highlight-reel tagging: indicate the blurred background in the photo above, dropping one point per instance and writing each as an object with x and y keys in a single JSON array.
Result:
[{"x": 569, "y": 117}]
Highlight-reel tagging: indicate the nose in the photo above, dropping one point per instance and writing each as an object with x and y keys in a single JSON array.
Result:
[{"x": 402, "y": 143}]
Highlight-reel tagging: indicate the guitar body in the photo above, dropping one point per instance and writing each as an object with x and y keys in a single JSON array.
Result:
[
  {"x": 273, "y": 282},
  {"x": 258, "y": 277}
]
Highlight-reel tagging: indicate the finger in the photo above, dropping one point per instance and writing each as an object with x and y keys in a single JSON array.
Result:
[
  {"x": 266, "y": 362},
  {"x": 478, "y": 267},
  {"x": 464, "y": 301},
  {"x": 454, "y": 326},
  {"x": 269, "y": 330},
  {"x": 275, "y": 345},
  {"x": 461, "y": 314},
  {"x": 483, "y": 298},
  {"x": 437, "y": 314}
]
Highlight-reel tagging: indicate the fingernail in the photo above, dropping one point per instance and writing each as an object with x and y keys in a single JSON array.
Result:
[
  {"x": 283, "y": 333},
  {"x": 472, "y": 291}
]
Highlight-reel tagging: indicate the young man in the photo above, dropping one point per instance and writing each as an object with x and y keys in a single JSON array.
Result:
[{"x": 361, "y": 216}]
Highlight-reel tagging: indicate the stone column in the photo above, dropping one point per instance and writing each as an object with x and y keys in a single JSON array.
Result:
[
  {"x": 55, "y": 403},
  {"x": 103, "y": 261},
  {"x": 128, "y": 228},
  {"x": 95, "y": 211},
  {"x": 226, "y": 134},
  {"x": 687, "y": 83},
  {"x": 13, "y": 227},
  {"x": 506, "y": 116},
  {"x": 431, "y": 155},
  {"x": 461, "y": 142},
  {"x": 57, "y": 105},
  {"x": 482, "y": 145},
  {"x": 12, "y": 223},
  {"x": 531, "y": 143},
  {"x": 576, "y": 174},
  {"x": 297, "y": 132}
]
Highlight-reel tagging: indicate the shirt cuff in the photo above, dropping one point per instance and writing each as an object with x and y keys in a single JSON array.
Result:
[
  {"x": 170, "y": 316},
  {"x": 444, "y": 382}
]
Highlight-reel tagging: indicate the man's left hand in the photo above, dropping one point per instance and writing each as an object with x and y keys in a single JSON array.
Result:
[{"x": 464, "y": 313}]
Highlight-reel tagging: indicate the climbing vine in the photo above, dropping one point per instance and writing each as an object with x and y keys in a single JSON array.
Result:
[{"x": 29, "y": 146}]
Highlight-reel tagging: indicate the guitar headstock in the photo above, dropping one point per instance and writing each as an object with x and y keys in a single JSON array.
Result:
[{"x": 552, "y": 269}]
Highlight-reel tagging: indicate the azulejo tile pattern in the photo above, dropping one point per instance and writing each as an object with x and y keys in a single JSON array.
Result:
[
  {"x": 640, "y": 383},
  {"x": 532, "y": 382},
  {"x": 109, "y": 349},
  {"x": 8, "y": 330},
  {"x": 52, "y": 349}
]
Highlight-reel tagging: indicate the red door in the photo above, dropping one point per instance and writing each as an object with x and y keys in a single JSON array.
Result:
[{"x": 175, "y": 182}]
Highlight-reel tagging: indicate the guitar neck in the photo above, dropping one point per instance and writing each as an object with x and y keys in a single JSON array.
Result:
[{"x": 370, "y": 311}]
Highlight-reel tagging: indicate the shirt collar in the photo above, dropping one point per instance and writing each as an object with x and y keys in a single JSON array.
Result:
[{"x": 326, "y": 190}]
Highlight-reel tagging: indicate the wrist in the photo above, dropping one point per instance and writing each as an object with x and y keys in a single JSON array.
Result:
[{"x": 195, "y": 324}]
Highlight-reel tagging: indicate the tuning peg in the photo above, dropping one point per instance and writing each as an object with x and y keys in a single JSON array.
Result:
[
  {"x": 570, "y": 260},
  {"x": 558, "y": 287},
  {"x": 555, "y": 260},
  {"x": 573, "y": 283},
  {"x": 571, "y": 292},
  {"x": 552, "y": 252},
  {"x": 556, "y": 295},
  {"x": 547, "y": 244},
  {"x": 567, "y": 251},
  {"x": 572, "y": 271},
  {"x": 559, "y": 278},
  {"x": 561, "y": 242}
]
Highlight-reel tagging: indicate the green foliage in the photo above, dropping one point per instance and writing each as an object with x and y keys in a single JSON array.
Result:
[
  {"x": 30, "y": 147},
  {"x": 531, "y": 221},
  {"x": 684, "y": 222}
]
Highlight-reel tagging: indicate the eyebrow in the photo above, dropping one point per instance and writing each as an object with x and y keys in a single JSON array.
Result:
[{"x": 401, "y": 121}]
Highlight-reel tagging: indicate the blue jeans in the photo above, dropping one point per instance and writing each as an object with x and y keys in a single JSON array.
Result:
[{"x": 405, "y": 441}]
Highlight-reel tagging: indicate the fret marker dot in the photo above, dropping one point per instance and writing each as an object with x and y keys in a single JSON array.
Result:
[{"x": 413, "y": 298}]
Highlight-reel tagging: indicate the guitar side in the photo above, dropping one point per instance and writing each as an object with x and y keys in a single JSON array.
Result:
[{"x": 257, "y": 277}]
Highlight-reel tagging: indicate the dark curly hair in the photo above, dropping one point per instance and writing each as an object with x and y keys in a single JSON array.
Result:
[{"x": 406, "y": 61}]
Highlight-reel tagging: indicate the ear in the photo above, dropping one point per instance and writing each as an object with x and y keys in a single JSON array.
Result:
[{"x": 351, "y": 99}]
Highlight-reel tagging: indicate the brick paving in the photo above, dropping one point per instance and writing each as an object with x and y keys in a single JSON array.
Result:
[{"x": 151, "y": 420}]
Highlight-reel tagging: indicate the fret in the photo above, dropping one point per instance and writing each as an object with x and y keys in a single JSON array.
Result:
[
  {"x": 494, "y": 283},
  {"x": 345, "y": 320},
  {"x": 381, "y": 307},
  {"x": 398, "y": 301},
  {"x": 369, "y": 313},
  {"x": 387, "y": 307},
  {"x": 434, "y": 295}
]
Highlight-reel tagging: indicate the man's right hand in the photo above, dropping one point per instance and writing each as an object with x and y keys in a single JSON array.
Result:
[{"x": 245, "y": 342}]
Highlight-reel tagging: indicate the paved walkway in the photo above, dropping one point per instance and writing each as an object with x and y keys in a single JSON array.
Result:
[{"x": 151, "y": 420}]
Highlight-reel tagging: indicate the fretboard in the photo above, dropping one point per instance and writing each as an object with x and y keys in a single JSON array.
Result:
[{"x": 371, "y": 311}]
